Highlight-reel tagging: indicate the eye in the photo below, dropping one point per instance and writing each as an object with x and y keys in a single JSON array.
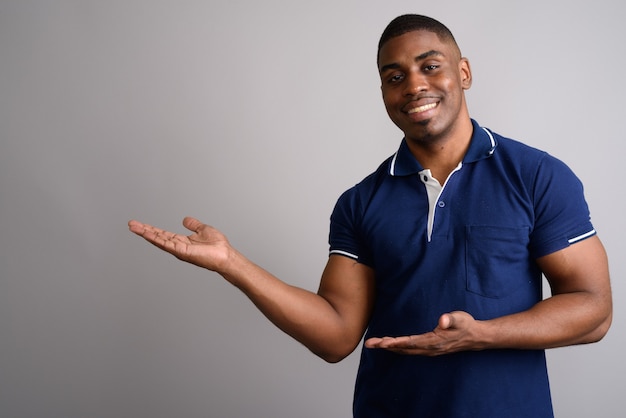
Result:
[
  {"x": 395, "y": 78},
  {"x": 431, "y": 67}
]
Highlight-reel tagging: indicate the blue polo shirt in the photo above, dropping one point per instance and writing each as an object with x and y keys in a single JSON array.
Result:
[{"x": 468, "y": 244}]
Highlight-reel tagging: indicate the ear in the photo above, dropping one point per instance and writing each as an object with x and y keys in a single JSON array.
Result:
[{"x": 466, "y": 73}]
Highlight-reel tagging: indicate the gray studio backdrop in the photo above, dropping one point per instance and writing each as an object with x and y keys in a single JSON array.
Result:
[{"x": 254, "y": 117}]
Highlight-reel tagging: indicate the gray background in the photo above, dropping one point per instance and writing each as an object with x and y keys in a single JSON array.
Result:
[{"x": 254, "y": 117}]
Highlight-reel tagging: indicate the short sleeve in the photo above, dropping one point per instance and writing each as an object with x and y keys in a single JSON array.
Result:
[
  {"x": 344, "y": 237},
  {"x": 561, "y": 211}
]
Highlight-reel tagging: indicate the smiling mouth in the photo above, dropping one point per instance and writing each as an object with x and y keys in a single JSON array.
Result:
[{"x": 423, "y": 108}]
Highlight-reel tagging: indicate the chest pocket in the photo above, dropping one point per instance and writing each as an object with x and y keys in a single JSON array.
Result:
[{"x": 497, "y": 260}]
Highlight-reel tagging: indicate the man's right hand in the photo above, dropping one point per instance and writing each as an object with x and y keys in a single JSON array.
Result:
[{"x": 206, "y": 247}]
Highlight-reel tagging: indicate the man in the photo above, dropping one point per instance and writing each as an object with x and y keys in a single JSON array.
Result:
[{"x": 437, "y": 256}]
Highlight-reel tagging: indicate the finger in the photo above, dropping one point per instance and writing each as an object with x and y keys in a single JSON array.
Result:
[
  {"x": 390, "y": 342},
  {"x": 155, "y": 235},
  {"x": 373, "y": 342},
  {"x": 167, "y": 241},
  {"x": 446, "y": 321},
  {"x": 398, "y": 345},
  {"x": 141, "y": 228},
  {"x": 403, "y": 343},
  {"x": 192, "y": 224},
  {"x": 135, "y": 226}
]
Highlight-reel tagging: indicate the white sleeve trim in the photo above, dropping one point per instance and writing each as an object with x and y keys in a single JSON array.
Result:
[
  {"x": 347, "y": 254},
  {"x": 581, "y": 237}
]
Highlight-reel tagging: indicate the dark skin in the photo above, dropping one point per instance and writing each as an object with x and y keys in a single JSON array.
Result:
[
  {"x": 423, "y": 81},
  {"x": 330, "y": 322}
]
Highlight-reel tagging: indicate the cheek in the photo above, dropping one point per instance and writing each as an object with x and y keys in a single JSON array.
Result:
[
  {"x": 385, "y": 96},
  {"x": 388, "y": 102},
  {"x": 453, "y": 92},
  {"x": 450, "y": 84},
  {"x": 392, "y": 97}
]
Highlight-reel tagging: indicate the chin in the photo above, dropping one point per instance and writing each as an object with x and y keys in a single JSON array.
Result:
[{"x": 420, "y": 130}]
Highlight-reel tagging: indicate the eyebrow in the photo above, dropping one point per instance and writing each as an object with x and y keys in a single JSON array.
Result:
[{"x": 420, "y": 57}]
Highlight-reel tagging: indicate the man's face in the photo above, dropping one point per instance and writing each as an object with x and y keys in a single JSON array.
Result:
[{"x": 423, "y": 80}]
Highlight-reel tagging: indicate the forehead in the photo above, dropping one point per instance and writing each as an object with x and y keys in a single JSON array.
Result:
[{"x": 412, "y": 45}]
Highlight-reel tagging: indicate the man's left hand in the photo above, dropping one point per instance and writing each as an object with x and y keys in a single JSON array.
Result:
[{"x": 456, "y": 331}]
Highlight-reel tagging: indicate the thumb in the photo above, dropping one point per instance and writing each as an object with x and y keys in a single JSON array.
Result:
[
  {"x": 192, "y": 224},
  {"x": 446, "y": 321}
]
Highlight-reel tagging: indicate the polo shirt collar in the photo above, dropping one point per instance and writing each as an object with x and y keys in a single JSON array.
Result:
[{"x": 482, "y": 145}]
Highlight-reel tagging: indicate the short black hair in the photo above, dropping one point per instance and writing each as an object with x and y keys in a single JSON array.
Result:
[{"x": 412, "y": 22}]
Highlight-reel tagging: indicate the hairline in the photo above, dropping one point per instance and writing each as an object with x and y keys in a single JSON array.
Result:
[
  {"x": 444, "y": 39},
  {"x": 408, "y": 23}
]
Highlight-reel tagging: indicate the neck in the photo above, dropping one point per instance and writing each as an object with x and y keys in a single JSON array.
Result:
[{"x": 442, "y": 154}]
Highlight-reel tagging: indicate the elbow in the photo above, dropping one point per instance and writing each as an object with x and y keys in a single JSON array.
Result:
[
  {"x": 603, "y": 313},
  {"x": 333, "y": 358},
  {"x": 334, "y": 355},
  {"x": 600, "y": 331}
]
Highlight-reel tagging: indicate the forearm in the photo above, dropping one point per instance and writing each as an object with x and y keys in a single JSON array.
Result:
[
  {"x": 304, "y": 315},
  {"x": 561, "y": 320},
  {"x": 330, "y": 323}
]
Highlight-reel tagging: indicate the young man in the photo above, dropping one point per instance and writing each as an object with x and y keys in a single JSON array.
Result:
[{"x": 437, "y": 256}]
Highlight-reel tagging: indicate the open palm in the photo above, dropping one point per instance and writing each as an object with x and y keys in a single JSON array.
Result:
[{"x": 206, "y": 247}]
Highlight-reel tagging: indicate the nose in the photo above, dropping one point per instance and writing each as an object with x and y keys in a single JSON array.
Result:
[{"x": 415, "y": 83}]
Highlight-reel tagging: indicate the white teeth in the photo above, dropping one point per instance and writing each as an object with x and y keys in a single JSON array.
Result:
[{"x": 422, "y": 108}]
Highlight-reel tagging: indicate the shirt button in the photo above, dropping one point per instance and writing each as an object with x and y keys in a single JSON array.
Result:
[
  {"x": 441, "y": 203},
  {"x": 425, "y": 179}
]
